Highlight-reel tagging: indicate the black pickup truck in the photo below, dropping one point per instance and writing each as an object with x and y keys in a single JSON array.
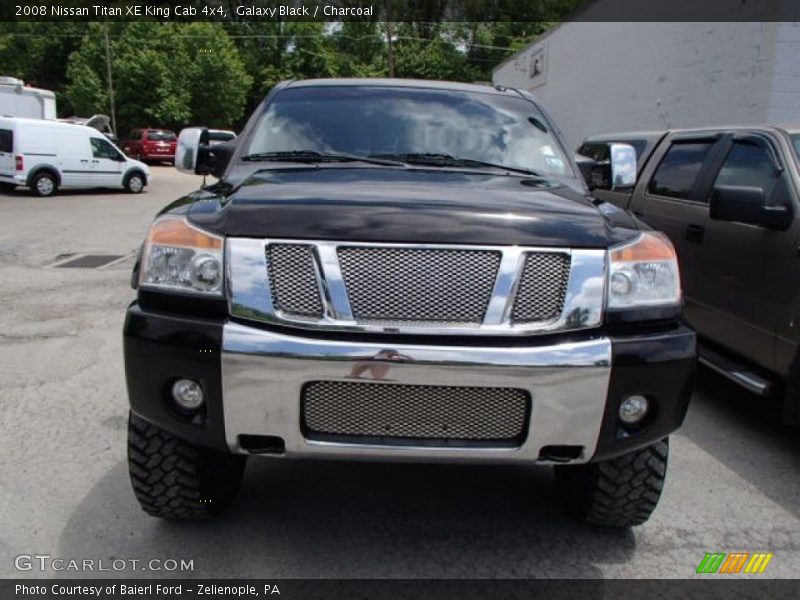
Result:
[
  {"x": 728, "y": 198},
  {"x": 409, "y": 271}
]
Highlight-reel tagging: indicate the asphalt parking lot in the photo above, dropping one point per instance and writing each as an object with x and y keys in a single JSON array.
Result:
[{"x": 733, "y": 483}]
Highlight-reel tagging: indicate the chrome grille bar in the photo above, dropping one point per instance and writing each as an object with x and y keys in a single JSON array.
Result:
[{"x": 333, "y": 284}]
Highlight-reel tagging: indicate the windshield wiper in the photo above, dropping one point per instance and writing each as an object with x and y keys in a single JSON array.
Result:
[
  {"x": 447, "y": 160},
  {"x": 313, "y": 156}
]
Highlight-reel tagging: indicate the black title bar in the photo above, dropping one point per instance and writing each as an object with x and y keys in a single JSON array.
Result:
[
  {"x": 415, "y": 589},
  {"x": 251, "y": 11}
]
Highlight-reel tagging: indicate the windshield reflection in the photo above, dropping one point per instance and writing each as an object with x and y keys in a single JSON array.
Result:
[{"x": 367, "y": 120}]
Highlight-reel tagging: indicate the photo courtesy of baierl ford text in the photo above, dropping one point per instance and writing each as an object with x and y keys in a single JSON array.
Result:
[{"x": 431, "y": 299}]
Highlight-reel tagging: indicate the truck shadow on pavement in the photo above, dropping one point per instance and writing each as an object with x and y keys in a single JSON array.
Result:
[
  {"x": 745, "y": 433},
  {"x": 310, "y": 519}
]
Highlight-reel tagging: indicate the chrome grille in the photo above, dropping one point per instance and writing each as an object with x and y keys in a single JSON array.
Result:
[
  {"x": 416, "y": 289},
  {"x": 542, "y": 288},
  {"x": 293, "y": 279},
  {"x": 387, "y": 284},
  {"x": 414, "y": 412}
]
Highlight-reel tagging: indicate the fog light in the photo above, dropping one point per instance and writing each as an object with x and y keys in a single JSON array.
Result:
[
  {"x": 188, "y": 394},
  {"x": 633, "y": 409}
]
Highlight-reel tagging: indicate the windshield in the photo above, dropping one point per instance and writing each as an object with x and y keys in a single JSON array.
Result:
[
  {"x": 161, "y": 136},
  {"x": 796, "y": 143},
  {"x": 402, "y": 122}
]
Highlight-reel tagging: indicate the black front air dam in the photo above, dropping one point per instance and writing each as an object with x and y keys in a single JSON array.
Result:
[
  {"x": 160, "y": 348},
  {"x": 660, "y": 366}
]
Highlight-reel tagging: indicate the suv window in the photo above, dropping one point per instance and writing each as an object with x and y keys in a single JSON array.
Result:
[
  {"x": 161, "y": 136},
  {"x": 679, "y": 169},
  {"x": 103, "y": 149},
  {"x": 747, "y": 165},
  {"x": 6, "y": 140}
]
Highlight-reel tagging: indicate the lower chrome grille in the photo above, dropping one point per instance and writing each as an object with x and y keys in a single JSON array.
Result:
[
  {"x": 418, "y": 285},
  {"x": 370, "y": 412}
]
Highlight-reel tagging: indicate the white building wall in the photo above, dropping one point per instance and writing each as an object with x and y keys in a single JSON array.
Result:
[
  {"x": 607, "y": 77},
  {"x": 784, "y": 102}
]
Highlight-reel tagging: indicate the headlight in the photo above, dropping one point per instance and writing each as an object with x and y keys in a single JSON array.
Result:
[
  {"x": 644, "y": 273},
  {"x": 180, "y": 257}
]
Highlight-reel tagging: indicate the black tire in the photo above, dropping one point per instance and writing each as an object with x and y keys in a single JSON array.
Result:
[
  {"x": 619, "y": 492},
  {"x": 134, "y": 182},
  {"x": 7, "y": 187},
  {"x": 44, "y": 184},
  {"x": 173, "y": 479}
]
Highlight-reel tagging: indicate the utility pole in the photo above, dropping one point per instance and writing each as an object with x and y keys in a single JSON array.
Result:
[
  {"x": 389, "y": 35},
  {"x": 110, "y": 81}
]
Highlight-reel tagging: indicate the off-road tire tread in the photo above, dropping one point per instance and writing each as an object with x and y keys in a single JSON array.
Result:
[
  {"x": 173, "y": 479},
  {"x": 618, "y": 492}
]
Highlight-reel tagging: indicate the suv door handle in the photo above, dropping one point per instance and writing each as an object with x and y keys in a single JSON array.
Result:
[{"x": 694, "y": 233}]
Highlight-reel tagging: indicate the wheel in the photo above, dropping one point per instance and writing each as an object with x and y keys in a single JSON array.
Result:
[
  {"x": 619, "y": 492},
  {"x": 134, "y": 183},
  {"x": 7, "y": 187},
  {"x": 173, "y": 479},
  {"x": 44, "y": 184}
]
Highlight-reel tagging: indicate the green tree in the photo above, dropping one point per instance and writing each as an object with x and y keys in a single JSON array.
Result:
[
  {"x": 217, "y": 81},
  {"x": 38, "y": 52},
  {"x": 359, "y": 49},
  {"x": 150, "y": 75},
  {"x": 164, "y": 75}
]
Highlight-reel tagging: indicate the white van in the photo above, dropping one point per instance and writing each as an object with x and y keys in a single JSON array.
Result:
[{"x": 48, "y": 155}]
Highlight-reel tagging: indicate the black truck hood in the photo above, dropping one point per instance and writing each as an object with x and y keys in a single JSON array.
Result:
[{"x": 409, "y": 205}]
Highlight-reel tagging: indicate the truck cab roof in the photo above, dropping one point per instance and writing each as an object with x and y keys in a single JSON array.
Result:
[{"x": 405, "y": 83}]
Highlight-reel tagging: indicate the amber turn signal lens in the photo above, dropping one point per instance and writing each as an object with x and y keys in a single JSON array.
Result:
[
  {"x": 178, "y": 233},
  {"x": 653, "y": 245}
]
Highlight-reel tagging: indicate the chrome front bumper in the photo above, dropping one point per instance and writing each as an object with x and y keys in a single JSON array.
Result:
[{"x": 263, "y": 373}]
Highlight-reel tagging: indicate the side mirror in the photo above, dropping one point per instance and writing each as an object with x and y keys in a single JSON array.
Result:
[
  {"x": 616, "y": 172},
  {"x": 623, "y": 166},
  {"x": 194, "y": 154},
  {"x": 187, "y": 150},
  {"x": 746, "y": 204}
]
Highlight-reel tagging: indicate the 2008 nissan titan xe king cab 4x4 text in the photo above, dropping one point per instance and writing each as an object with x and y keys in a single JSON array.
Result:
[{"x": 410, "y": 271}]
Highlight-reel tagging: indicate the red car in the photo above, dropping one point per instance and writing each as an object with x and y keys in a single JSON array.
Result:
[{"x": 151, "y": 144}]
